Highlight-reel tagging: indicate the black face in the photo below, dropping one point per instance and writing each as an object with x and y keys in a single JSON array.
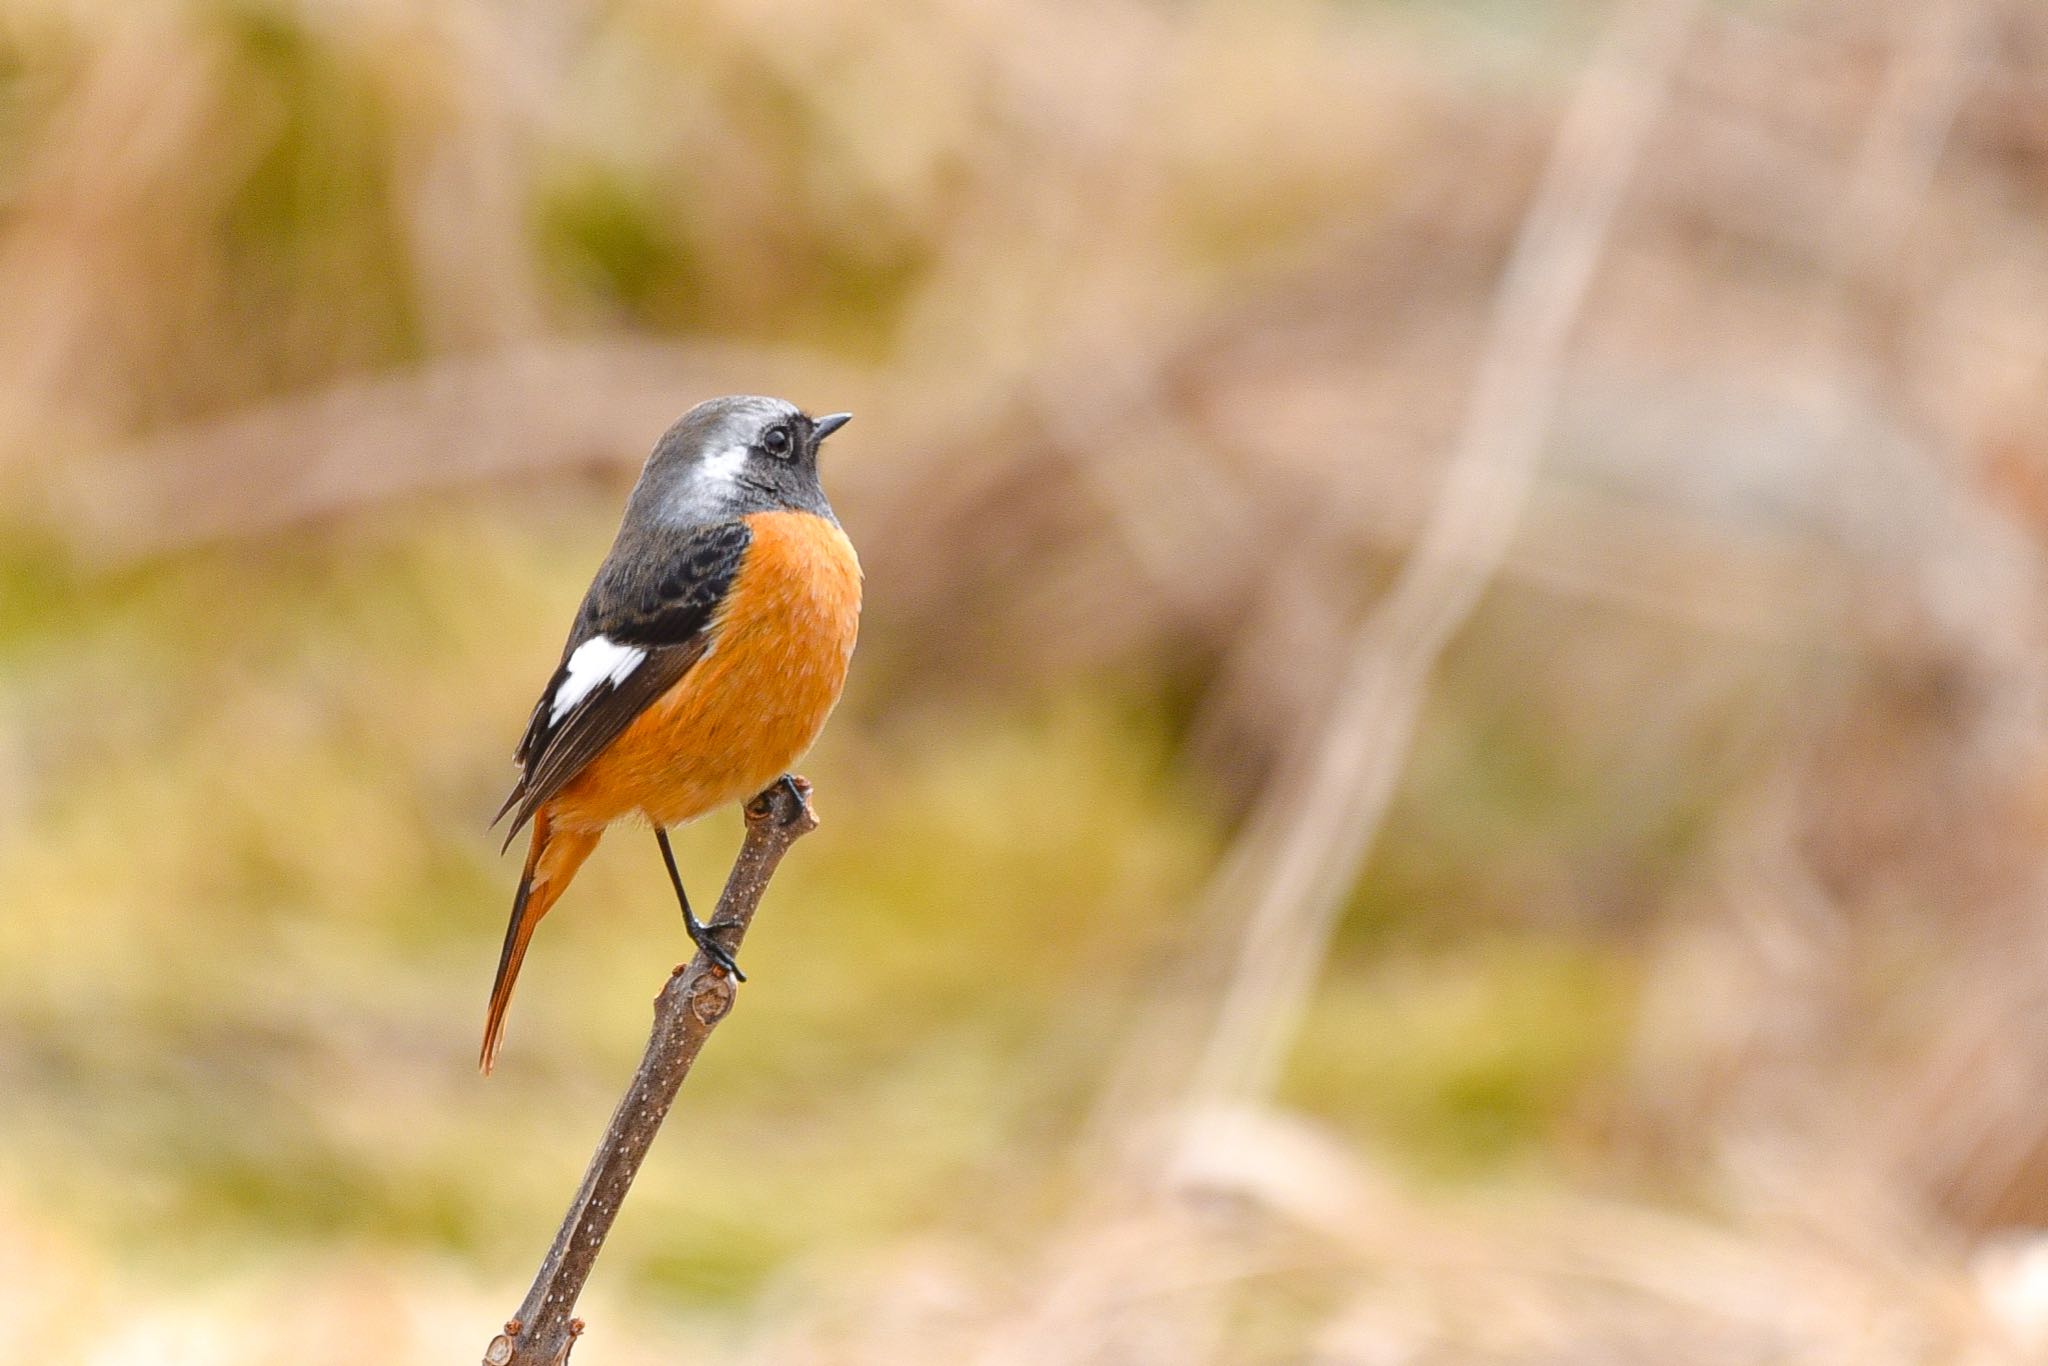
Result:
[
  {"x": 796, "y": 437},
  {"x": 781, "y": 463}
]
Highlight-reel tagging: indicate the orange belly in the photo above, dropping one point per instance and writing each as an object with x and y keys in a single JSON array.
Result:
[{"x": 751, "y": 707}]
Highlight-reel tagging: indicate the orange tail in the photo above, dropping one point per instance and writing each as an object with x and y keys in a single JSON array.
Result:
[{"x": 551, "y": 861}]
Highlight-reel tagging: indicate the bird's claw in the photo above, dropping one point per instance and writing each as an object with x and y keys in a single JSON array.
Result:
[{"x": 707, "y": 944}]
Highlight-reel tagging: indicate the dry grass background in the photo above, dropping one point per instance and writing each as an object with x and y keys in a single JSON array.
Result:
[{"x": 1510, "y": 533}]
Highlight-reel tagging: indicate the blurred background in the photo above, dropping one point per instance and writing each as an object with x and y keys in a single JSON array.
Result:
[{"x": 1448, "y": 760}]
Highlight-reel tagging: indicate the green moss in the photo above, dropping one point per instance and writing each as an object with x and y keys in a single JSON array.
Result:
[
  {"x": 612, "y": 237},
  {"x": 858, "y": 294},
  {"x": 37, "y": 60},
  {"x": 315, "y": 219},
  {"x": 721, "y": 1263},
  {"x": 40, "y": 596},
  {"x": 1467, "y": 1057},
  {"x": 288, "y": 957},
  {"x": 307, "y": 907}
]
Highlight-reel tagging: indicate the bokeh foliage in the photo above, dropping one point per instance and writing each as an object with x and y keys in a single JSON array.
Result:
[{"x": 1700, "y": 921}]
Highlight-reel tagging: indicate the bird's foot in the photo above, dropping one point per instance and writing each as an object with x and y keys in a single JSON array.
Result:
[{"x": 707, "y": 944}]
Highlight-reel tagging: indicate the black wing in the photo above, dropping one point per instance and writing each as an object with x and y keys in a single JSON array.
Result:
[{"x": 659, "y": 601}]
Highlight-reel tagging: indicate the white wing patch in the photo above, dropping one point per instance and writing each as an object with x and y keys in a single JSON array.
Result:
[{"x": 597, "y": 660}]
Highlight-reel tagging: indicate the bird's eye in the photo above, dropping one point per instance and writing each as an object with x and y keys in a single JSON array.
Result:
[{"x": 776, "y": 441}]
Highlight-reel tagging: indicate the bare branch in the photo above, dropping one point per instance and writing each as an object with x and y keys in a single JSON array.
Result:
[{"x": 696, "y": 998}]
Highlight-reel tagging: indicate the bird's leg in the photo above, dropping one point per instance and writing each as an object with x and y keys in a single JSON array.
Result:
[{"x": 700, "y": 935}]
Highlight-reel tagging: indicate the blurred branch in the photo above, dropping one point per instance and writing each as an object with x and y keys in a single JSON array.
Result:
[
  {"x": 523, "y": 411},
  {"x": 1288, "y": 875},
  {"x": 687, "y": 1010},
  {"x": 1305, "y": 844}
]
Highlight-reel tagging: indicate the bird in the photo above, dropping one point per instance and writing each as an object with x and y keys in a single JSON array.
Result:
[{"x": 710, "y": 649}]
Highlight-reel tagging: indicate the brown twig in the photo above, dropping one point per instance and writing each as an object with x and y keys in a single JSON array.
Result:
[{"x": 696, "y": 998}]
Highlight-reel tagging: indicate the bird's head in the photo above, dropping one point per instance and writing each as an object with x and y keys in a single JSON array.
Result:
[{"x": 731, "y": 456}]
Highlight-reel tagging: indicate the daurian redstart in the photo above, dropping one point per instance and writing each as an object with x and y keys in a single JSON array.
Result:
[{"x": 706, "y": 656}]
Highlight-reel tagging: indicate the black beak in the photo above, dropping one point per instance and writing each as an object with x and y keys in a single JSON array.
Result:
[{"x": 825, "y": 426}]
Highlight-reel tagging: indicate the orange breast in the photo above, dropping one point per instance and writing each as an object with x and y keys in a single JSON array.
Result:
[{"x": 750, "y": 708}]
